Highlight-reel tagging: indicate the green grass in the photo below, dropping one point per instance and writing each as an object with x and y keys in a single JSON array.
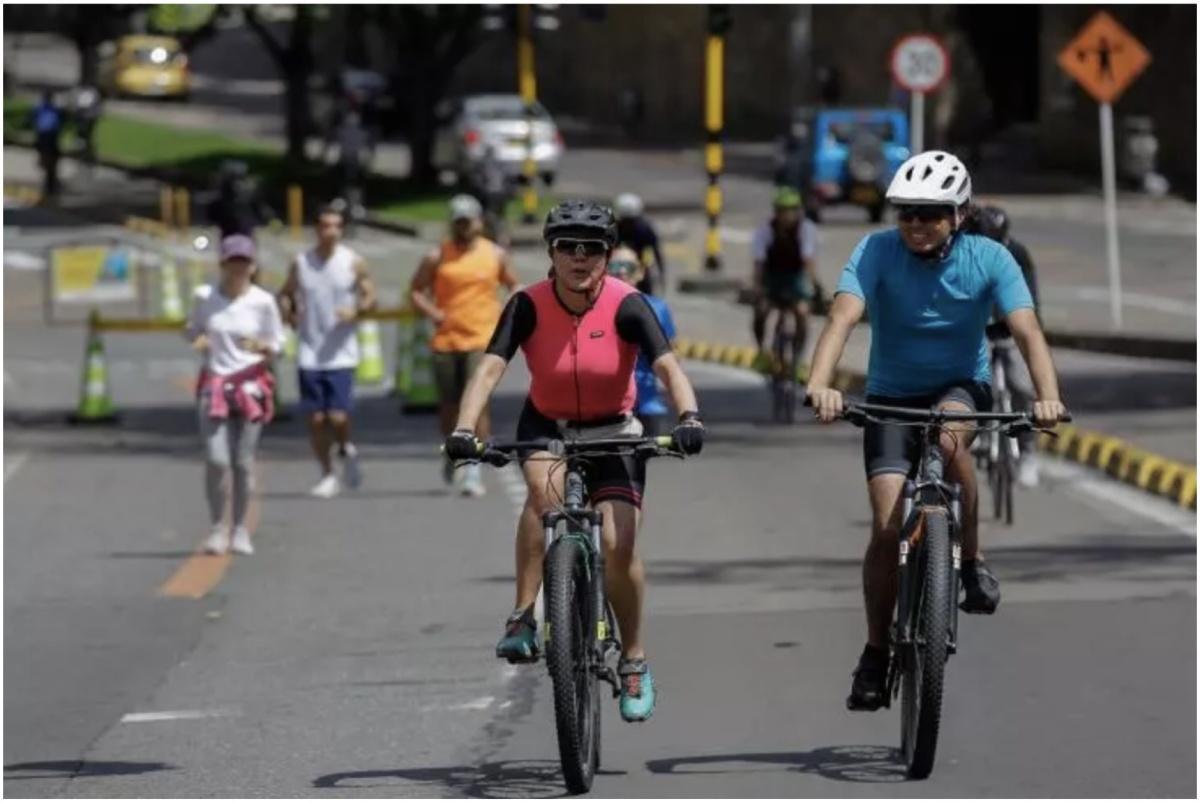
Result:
[
  {"x": 190, "y": 155},
  {"x": 432, "y": 207}
]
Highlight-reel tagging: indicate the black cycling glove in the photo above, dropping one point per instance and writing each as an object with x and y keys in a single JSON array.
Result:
[
  {"x": 689, "y": 434},
  {"x": 463, "y": 444}
]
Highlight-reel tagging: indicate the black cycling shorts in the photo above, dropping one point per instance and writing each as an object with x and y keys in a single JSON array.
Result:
[
  {"x": 615, "y": 478},
  {"x": 897, "y": 449}
]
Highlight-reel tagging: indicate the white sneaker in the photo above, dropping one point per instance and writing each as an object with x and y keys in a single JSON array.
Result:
[
  {"x": 241, "y": 541},
  {"x": 218, "y": 541},
  {"x": 351, "y": 472},
  {"x": 472, "y": 483},
  {"x": 1027, "y": 471},
  {"x": 328, "y": 487}
]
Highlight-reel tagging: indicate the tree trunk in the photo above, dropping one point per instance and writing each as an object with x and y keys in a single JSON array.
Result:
[
  {"x": 89, "y": 64},
  {"x": 297, "y": 115}
]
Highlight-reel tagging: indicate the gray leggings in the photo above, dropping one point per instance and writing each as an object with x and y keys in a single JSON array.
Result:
[{"x": 229, "y": 443}]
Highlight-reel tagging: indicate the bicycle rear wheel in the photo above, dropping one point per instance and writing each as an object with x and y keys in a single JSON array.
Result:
[
  {"x": 576, "y": 697},
  {"x": 925, "y": 668}
]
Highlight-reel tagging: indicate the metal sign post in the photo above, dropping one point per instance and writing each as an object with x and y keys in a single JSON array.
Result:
[
  {"x": 919, "y": 63},
  {"x": 916, "y": 122},
  {"x": 1108, "y": 168},
  {"x": 1105, "y": 58}
]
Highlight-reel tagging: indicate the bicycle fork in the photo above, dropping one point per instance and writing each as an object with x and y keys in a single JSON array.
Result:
[{"x": 603, "y": 642}]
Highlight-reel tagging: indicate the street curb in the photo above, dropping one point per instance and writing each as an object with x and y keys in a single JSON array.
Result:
[
  {"x": 1168, "y": 348},
  {"x": 1120, "y": 459}
]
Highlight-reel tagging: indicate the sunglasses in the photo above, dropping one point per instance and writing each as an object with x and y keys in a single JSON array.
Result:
[
  {"x": 925, "y": 214},
  {"x": 581, "y": 247},
  {"x": 622, "y": 268}
]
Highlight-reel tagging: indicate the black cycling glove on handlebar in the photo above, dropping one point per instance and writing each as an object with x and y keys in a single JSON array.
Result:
[
  {"x": 463, "y": 444},
  {"x": 689, "y": 434}
]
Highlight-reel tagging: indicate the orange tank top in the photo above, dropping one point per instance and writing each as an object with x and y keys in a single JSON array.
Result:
[{"x": 465, "y": 287}]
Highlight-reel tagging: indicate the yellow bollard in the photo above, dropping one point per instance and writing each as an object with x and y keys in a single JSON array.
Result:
[
  {"x": 164, "y": 205},
  {"x": 295, "y": 210}
]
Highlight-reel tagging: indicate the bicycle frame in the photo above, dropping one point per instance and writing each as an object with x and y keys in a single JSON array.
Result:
[
  {"x": 575, "y": 512},
  {"x": 930, "y": 489}
]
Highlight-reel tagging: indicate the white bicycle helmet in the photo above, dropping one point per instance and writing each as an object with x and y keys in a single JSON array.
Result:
[
  {"x": 628, "y": 205},
  {"x": 932, "y": 178}
]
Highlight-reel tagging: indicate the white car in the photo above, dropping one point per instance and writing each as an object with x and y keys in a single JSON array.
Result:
[{"x": 478, "y": 122}]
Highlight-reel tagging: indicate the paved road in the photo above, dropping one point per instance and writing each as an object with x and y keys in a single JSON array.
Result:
[{"x": 352, "y": 655}]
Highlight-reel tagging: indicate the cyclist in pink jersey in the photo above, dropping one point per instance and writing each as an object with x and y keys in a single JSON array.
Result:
[{"x": 581, "y": 332}]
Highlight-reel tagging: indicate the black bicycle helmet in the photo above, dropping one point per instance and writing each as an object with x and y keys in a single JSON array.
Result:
[
  {"x": 581, "y": 220},
  {"x": 993, "y": 223}
]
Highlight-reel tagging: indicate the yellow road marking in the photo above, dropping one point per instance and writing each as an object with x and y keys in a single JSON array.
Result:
[{"x": 200, "y": 573}]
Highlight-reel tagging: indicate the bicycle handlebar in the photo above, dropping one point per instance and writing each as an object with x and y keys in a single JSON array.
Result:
[
  {"x": 497, "y": 452},
  {"x": 860, "y": 412}
]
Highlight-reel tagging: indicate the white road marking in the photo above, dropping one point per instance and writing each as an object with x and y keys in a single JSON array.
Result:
[
  {"x": 741, "y": 236},
  {"x": 174, "y": 715},
  {"x": 1155, "y": 303},
  {"x": 1086, "y": 482},
  {"x": 482, "y": 703},
  {"x": 18, "y": 462},
  {"x": 23, "y": 260}
]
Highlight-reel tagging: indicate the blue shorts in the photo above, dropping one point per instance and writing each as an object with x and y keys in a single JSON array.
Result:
[{"x": 326, "y": 390}]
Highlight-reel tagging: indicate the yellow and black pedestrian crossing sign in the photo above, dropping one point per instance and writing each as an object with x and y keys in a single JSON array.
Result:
[{"x": 1104, "y": 58}]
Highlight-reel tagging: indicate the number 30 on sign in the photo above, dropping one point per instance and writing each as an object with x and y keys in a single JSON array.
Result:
[{"x": 920, "y": 63}]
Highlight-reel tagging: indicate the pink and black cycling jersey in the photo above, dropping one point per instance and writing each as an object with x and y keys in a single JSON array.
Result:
[{"x": 581, "y": 365}]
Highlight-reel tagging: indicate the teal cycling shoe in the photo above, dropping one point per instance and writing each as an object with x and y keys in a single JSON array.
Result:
[
  {"x": 637, "y": 690},
  {"x": 520, "y": 643}
]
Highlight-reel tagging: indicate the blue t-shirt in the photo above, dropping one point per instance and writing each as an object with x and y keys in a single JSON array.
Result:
[
  {"x": 928, "y": 318},
  {"x": 649, "y": 400}
]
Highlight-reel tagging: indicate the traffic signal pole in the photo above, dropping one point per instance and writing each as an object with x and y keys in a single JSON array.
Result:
[{"x": 527, "y": 86}]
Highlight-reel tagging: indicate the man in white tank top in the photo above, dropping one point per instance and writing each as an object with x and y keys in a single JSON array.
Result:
[{"x": 326, "y": 289}]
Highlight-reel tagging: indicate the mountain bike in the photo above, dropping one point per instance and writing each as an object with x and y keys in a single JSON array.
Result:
[
  {"x": 925, "y": 631},
  {"x": 998, "y": 456},
  {"x": 580, "y": 633},
  {"x": 784, "y": 383}
]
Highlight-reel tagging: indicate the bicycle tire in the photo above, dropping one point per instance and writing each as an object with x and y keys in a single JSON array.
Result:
[
  {"x": 996, "y": 482},
  {"x": 925, "y": 677},
  {"x": 576, "y": 698}
]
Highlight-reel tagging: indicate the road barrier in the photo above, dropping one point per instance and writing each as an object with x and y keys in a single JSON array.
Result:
[
  {"x": 370, "y": 354},
  {"x": 1118, "y": 458},
  {"x": 413, "y": 369}
]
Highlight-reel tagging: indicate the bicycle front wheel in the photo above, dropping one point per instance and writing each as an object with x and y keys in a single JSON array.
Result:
[
  {"x": 568, "y": 639},
  {"x": 925, "y": 671}
]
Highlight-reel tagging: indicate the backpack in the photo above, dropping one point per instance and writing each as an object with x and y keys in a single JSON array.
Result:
[{"x": 46, "y": 120}]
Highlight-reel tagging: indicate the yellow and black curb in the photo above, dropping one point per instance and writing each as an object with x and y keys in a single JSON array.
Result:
[
  {"x": 20, "y": 193},
  {"x": 1122, "y": 460}
]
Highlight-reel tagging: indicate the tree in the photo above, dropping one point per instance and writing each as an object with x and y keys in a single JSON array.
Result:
[
  {"x": 431, "y": 41},
  {"x": 89, "y": 25},
  {"x": 295, "y": 61}
]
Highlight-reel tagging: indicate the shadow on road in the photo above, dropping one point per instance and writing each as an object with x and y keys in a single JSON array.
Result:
[
  {"x": 64, "y": 769},
  {"x": 856, "y": 764},
  {"x": 505, "y": 779}
]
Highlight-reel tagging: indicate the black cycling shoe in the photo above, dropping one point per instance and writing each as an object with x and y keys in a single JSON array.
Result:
[
  {"x": 869, "y": 690},
  {"x": 981, "y": 586}
]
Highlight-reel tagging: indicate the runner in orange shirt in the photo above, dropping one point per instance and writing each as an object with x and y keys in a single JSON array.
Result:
[{"x": 456, "y": 287}]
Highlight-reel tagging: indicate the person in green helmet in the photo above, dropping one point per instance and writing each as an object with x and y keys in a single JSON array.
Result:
[{"x": 784, "y": 250}]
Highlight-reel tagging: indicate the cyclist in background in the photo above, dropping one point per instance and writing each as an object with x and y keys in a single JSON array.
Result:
[
  {"x": 635, "y": 231},
  {"x": 784, "y": 250},
  {"x": 992, "y": 222},
  {"x": 650, "y": 408}
]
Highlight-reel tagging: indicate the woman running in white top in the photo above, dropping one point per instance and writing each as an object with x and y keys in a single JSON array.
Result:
[{"x": 237, "y": 326}]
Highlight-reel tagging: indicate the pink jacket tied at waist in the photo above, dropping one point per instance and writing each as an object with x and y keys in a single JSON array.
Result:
[{"x": 247, "y": 406}]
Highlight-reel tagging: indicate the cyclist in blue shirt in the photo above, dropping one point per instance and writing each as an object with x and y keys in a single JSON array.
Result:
[
  {"x": 930, "y": 289},
  {"x": 650, "y": 407}
]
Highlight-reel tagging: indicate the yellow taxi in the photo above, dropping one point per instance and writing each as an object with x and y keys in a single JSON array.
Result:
[{"x": 144, "y": 66}]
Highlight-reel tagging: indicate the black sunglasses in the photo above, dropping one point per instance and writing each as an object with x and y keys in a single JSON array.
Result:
[
  {"x": 926, "y": 214},
  {"x": 581, "y": 247}
]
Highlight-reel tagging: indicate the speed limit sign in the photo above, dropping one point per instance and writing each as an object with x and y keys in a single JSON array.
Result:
[{"x": 920, "y": 63}]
